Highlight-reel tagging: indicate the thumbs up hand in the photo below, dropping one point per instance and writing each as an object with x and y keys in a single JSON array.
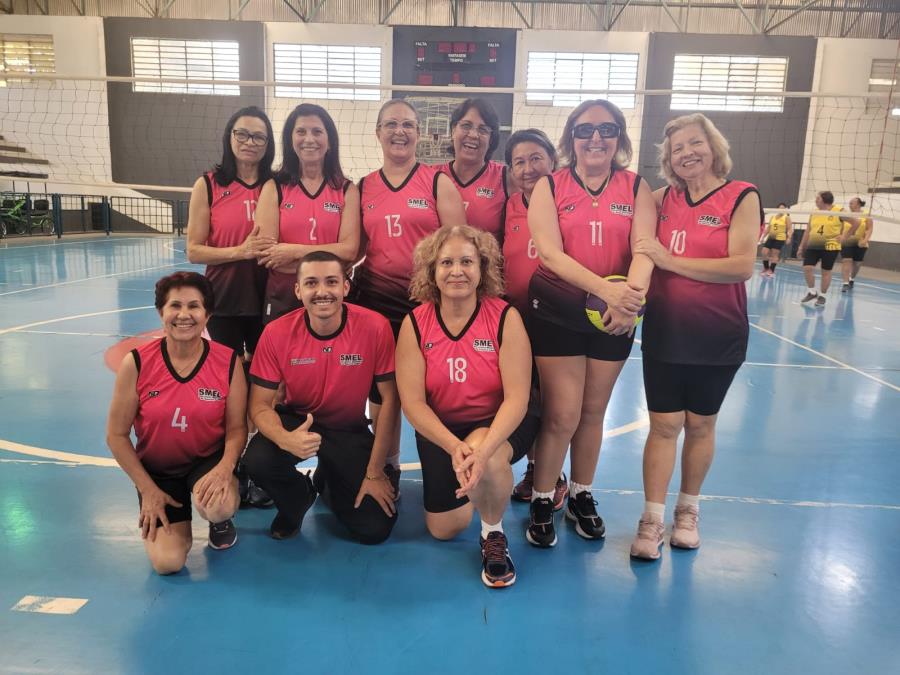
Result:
[{"x": 301, "y": 442}]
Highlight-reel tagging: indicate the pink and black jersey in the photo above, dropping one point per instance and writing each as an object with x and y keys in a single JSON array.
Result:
[
  {"x": 180, "y": 419},
  {"x": 483, "y": 196},
  {"x": 303, "y": 218},
  {"x": 237, "y": 286},
  {"x": 462, "y": 372},
  {"x": 595, "y": 227},
  {"x": 395, "y": 219},
  {"x": 520, "y": 258},
  {"x": 696, "y": 322},
  {"x": 328, "y": 376}
]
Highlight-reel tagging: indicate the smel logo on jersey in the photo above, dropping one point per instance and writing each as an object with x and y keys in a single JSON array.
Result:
[
  {"x": 209, "y": 394},
  {"x": 485, "y": 192},
  {"x": 621, "y": 209},
  {"x": 709, "y": 221},
  {"x": 351, "y": 359},
  {"x": 481, "y": 345},
  {"x": 417, "y": 203},
  {"x": 332, "y": 207}
]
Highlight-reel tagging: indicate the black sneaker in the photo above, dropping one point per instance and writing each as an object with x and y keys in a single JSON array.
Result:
[
  {"x": 850, "y": 283},
  {"x": 522, "y": 491},
  {"x": 820, "y": 301},
  {"x": 243, "y": 485},
  {"x": 497, "y": 569},
  {"x": 283, "y": 527},
  {"x": 845, "y": 288},
  {"x": 393, "y": 474},
  {"x": 257, "y": 497},
  {"x": 582, "y": 510},
  {"x": 809, "y": 297},
  {"x": 541, "y": 532},
  {"x": 222, "y": 535}
]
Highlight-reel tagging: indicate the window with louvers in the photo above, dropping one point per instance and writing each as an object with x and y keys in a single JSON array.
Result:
[
  {"x": 342, "y": 67},
  {"x": 740, "y": 83},
  {"x": 598, "y": 72},
  {"x": 31, "y": 54},
  {"x": 187, "y": 60}
]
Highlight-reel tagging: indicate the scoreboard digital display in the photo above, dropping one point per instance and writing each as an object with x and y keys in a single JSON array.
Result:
[{"x": 456, "y": 62}]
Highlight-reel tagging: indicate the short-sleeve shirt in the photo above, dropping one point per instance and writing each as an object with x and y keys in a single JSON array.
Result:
[
  {"x": 462, "y": 372},
  {"x": 327, "y": 376},
  {"x": 180, "y": 419},
  {"x": 303, "y": 218},
  {"x": 824, "y": 231},
  {"x": 237, "y": 286},
  {"x": 520, "y": 258},
  {"x": 689, "y": 321},
  {"x": 484, "y": 196}
]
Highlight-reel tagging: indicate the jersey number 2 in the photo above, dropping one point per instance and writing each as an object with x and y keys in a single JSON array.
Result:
[{"x": 179, "y": 424}]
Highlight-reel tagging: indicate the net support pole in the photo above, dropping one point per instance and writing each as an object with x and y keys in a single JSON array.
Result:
[
  {"x": 56, "y": 202},
  {"x": 107, "y": 221}
]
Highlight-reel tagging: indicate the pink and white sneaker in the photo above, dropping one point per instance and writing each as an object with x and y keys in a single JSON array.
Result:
[
  {"x": 649, "y": 538},
  {"x": 684, "y": 531}
]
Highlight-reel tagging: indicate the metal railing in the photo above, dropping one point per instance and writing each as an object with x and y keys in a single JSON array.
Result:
[{"x": 24, "y": 214}]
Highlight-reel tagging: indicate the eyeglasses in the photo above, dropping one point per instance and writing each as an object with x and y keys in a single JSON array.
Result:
[
  {"x": 244, "y": 136},
  {"x": 393, "y": 125},
  {"x": 467, "y": 127},
  {"x": 586, "y": 130}
]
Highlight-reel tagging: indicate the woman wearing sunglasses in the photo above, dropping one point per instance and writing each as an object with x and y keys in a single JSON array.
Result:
[
  {"x": 475, "y": 135},
  {"x": 584, "y": 219},
  {"x": 309, "y": 206},
  {"x": 222, "y": 233}
]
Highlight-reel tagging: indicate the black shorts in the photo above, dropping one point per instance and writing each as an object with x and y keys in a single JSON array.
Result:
[
  {"x": 814, "y": 255},
  {"x": 439, "y": 484},
  {"x": 551, "y": 339},
  {"x": 855, "y": 253},
  {"x": 673, "y": 387},
  {"x": 179, "y": 487},
  {"x": 238, "y": 332},
  {"x": 774, "y": 243}
]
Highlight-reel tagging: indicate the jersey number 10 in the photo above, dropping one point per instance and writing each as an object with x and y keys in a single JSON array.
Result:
[{"x": 676, "y": 244}]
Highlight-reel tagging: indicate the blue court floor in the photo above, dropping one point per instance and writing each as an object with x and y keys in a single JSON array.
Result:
[{"x": 798, "y": 571}]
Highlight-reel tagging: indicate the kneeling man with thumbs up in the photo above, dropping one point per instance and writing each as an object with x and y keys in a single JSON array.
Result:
[{"x": 327, "y": 355}]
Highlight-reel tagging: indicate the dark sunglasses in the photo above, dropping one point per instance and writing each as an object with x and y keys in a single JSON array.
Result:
[{"x": 586, "y": 131}]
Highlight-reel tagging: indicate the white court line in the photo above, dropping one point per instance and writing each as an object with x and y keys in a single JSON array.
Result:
[
  {"x": 826, "y": 357},
  {"x": 4, "y": 331},
  {"x": 773, "y": 365},
  {"x": 788, "y": 268},
  {"x": 87, "y": 240},
  {"x": 101, "y": 276},
  {"x": 762, "y": 500},
  {"x": 49, "y": 605},
  {"x": 62, "y": 332}
]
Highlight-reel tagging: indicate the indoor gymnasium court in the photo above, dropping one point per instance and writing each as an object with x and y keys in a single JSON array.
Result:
[{"x": 800, "y": 509}]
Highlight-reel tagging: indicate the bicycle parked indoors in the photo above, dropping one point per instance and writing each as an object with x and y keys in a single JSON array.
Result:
[{"x": 18, "y": 215}]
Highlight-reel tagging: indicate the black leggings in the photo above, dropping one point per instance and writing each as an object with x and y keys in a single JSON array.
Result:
[{"x": 343, "y": 459}]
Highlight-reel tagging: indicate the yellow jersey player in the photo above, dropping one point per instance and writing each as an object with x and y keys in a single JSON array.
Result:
[
  {"x": 854, "y": 244},
  {"x": 779, "y": 230},
  {"x": 821, "y": 243}
]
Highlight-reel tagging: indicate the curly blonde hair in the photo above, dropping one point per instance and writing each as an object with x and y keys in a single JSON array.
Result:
[
  {"x": 423, "y": 287},
  {"x": 717, "y": 143}
]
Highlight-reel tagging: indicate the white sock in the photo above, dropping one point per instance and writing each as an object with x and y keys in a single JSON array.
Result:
[
  {"x": 811, "y": 290},
  {"x": 688, "y": 500},
  {"x": 575, "y": 488},
  {"x": 655, "y": 509},
  {"x": 393, "y": 460},
  {"x": 542, "y": 495},
  {"x": 487, "y": 528}
]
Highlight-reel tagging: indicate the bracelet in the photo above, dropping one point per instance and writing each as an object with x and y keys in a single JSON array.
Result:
[{"x": 381, "y": 477}]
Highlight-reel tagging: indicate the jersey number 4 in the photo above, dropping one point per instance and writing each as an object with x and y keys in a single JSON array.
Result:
[{"x": 179, "y": 424}]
